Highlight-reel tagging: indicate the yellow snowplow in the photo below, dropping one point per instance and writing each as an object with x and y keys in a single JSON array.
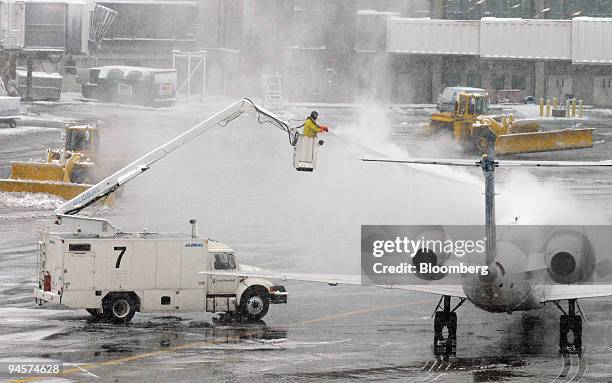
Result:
[
  {"x": 64, "y": 172},
  {"x": 475, "y": 130}
]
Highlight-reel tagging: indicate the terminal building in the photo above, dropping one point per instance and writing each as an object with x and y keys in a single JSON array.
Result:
[
  {"x": 542, "y": 48},
  {"x": 400, "y": 51}
]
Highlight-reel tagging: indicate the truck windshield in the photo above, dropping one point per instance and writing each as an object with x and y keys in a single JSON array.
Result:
[
  {"x": 224, "y": 262},
  {"x": 78, "y": 140},
  {"x": 479, "y": 106}
]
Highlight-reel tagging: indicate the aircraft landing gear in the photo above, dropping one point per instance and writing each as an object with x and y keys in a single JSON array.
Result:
[
  {"x": 570, "y": 322},
  {"x": 445, "y": 323}
]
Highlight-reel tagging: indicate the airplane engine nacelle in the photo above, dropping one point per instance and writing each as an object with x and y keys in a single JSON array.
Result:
[
  {"x": 431, "y": 253},
  {"x": 569, "y": 257}
]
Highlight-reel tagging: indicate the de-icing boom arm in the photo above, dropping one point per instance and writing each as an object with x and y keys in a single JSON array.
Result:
[{"x": 121, "y": 177}]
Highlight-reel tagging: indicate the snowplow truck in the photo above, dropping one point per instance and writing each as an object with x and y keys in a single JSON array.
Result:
[
  {"x": 63, "y": 172},
  {"x": 475, "y": 130}
]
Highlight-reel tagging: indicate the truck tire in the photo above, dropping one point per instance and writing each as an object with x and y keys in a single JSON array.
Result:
[
  {"x": 254, "y": 303},
  {"x": 482, "y": 139},
  {"x": 119, "y": 308},
  {"x": 96, "y": 313}
]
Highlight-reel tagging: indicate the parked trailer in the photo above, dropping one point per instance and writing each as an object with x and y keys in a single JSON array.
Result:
[
  {"x": 45, "y": 86},
  {"x": 134, "y": 85}
]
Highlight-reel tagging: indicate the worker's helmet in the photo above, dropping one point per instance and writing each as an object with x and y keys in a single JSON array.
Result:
[{"x": 314, "y": 115}]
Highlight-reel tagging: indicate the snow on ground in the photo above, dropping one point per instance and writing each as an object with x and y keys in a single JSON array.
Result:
[
  {"x": 29, "y": 201},
  {"x": 23, "y": 130},
  {"x": 278, "y": 219}
]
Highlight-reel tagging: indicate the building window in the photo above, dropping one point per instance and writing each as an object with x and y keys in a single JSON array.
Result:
[
  {"x": 498, "y": 82},
  {"x": 45, "y": 25},
  {"x": 477, "y": 9},
  {"x": 152, "y": 21},
  {"x": 518, "y": 81},
  {"x": 452, "y": 79},
  {"x": 606, "y": 8},
  {"x": 566, "y": 9},
  {"x": 473, "y": 80}
]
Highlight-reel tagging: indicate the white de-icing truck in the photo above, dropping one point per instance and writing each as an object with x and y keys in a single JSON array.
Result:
[{"x": 89, "y": 263}]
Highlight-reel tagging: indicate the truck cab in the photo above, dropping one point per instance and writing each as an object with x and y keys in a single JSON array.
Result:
[
  {"x": 447, "y": 100},
  {"x": 116, "y": 277}
]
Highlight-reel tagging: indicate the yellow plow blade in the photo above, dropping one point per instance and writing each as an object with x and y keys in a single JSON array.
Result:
[
  {"x": 544, "y": 141},
  {"x": 41, "y": 171},
  {"x": 524, "y": 126},
  {"x": 66, "y": 190}
]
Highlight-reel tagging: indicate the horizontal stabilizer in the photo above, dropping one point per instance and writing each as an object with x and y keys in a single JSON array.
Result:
[
  {"x": 477, "y": 163},
  {"x": 563, "y": 292}
]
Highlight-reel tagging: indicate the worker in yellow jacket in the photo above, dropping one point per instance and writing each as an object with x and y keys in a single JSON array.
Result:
[{"x": 311, "y": 128}]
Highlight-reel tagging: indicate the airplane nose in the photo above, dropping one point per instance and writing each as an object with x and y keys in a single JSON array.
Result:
[{"x": 491, "y": 276}]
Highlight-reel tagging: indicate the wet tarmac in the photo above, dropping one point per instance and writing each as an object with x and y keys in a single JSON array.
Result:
[{"x": 239, "y": 181}]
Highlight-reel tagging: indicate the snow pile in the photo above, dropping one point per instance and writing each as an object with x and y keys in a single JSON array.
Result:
[
  {"x": 30, "y": 201},
  {"x": 24, "y": 130}
]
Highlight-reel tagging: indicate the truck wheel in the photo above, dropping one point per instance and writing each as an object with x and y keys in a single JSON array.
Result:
[
  {"x": 254, "y": 304},
  {"x": 482, "y": 139},
  {"x": 96, "y": 313},
  {"x": 119, "y": 308},
  {"x": 481, "y": 145}
]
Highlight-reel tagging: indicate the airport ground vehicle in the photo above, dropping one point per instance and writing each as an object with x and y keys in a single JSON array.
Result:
[
  {"x": 64, "y": 172},
  {"x": 88, "y": 263},
  {"x": 148, "y": 272},
  {"x": 45, "y": 86},
  {"x": 474, "y": 129},
  {"x": 134, "y": 85}
]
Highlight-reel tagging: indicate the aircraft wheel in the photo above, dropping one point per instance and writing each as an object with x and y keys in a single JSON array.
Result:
[
  {"x": 445, "y": 346},
  {"x": 573, "y": 324}
]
